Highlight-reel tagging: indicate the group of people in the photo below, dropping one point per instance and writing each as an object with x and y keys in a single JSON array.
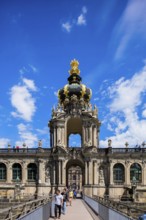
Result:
[{"x": 63, "y": 199}]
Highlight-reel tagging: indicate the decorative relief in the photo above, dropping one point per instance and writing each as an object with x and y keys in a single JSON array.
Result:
[
  {"x": 127, "y": 162},
  {"x": 144, "y": 163}
]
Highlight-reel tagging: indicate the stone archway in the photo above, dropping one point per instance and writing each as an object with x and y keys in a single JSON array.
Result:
[{"x": 75, "y": 174}]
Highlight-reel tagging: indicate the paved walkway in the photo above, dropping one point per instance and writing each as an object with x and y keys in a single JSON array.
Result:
[{"x": 78, "y": 211}]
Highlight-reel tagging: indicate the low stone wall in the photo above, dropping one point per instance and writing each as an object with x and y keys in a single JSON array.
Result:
[{"x": 104, "y": 212}]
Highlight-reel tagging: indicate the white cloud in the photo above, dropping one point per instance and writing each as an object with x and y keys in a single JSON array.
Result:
[
  {"x": 84, "y": 9},
  {"x": 56, "y": 93},
  {"x": 81, "y": 20},
  {"x": 67, "y": 26},
  {"x": 22, "y": 100},
  {"x": 30, "y": 68},
  {"x": 34, "y": 69},
  {"x": 127, "y": 101},
  {"x": 4, "y": 142},
  {"x": 23, "y": 70},
  {"x": 144, "y": 113},
  {"x": 43, "y": 131},
  {"x": 26, "y": 136},
  {"x": 29, "y": 84},
  {"x": 133, "y": 22}
]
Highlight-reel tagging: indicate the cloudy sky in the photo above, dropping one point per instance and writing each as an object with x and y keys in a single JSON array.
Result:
[{"x": 39, "y": 38}]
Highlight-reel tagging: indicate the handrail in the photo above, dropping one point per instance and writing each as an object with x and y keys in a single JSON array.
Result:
[
  {"x": 122, "y": 207},
  {"x": 20, "y": 210}
]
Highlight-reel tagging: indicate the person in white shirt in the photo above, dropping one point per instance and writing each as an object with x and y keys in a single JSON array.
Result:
[{"x": 58, "y": 203}]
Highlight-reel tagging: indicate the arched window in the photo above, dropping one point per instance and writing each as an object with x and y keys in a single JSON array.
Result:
[
  {"x": 119, "y": 173},
  {"x": 17, "y": 172},
  {"x": 135, "y": 173},
  {"x": 74, "y": 140},
  {"x": 2, "y": 171},
  {"x": 31, "y": 172}
]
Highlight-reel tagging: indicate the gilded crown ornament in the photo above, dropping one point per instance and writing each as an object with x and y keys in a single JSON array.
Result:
[{"x": 74, "y": 67}]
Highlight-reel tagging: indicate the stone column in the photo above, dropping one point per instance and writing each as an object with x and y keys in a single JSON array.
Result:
[
  {"x": 127, "y": 173},
  {"x": 62, "y": 136},
  {"x": 54, "y": 173},
  {"x": 63, "y": 173},
  {"x": 95, "y": 136},
  {"x": 86, "y": 173},
  {"x": 90, "y": 135},
  {"x": 41, "y": 171},
  {"x": 95, "y": 180},
  {"x": 51, "y": 142},
  {"x": 111, "y": 173},
  {"x": 90, "y": 172},
  {"x": 143, "y": 173},
  {"x": 97, "y": 173},
  {"x": 60, "y": 171},
  {"x": 9, "y": 172},
  {"x": 54, "y": 136},
  {"x": 83, "y": 136},
  {"x": 24, "y": 172}
]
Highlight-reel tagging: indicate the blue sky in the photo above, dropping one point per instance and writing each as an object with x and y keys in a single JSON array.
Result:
[{"x": 39, "y": 38}]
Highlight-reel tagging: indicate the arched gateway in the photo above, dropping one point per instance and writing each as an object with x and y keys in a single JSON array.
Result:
[
  {"x": 75, "y": 167},
  {"x": 75, "y": 174}
]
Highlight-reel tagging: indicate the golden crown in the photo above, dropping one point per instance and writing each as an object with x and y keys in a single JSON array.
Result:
[{"x": 74, "y": 67}]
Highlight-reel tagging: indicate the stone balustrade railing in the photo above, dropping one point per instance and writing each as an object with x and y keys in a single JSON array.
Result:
[{"x": 101, "y": 151}]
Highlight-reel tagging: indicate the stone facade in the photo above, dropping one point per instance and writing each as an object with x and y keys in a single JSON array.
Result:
[{"x": 115, "y": 172}]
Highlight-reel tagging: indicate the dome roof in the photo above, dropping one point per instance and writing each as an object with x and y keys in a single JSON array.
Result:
[{"x": 74, "y": 90}]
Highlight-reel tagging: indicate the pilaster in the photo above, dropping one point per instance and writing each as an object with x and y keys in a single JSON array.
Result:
[
  {"x": 143, "y": 173},
  {"x": 24, "y": 172},
  {"x": 95, "y": 179},
  {"x": 41, "y": 171},
  {"x": 9, "y": 172},
  {"x": 86, "y": 173},
  {"x": 127, "y": 173},
  {"x": 63, "y": 172},
  {"x": 91, "y": 172},
  {"x": 111, "y": 172}
]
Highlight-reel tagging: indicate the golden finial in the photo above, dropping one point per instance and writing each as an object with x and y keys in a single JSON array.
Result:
[{"x": 74, "y": 67}]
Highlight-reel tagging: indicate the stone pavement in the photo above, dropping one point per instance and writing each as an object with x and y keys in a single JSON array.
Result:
[{"x": 78, "y": 211}]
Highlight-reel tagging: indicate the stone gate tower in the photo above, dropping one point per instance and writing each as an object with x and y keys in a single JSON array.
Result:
[{"x": 74, "y": 114}]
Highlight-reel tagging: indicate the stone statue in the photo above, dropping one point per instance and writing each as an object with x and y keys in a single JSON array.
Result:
[
  {"x": 101, "y": 176},
  {"x": 47, "y": 175},
  {"x": 40, "y": 143}
]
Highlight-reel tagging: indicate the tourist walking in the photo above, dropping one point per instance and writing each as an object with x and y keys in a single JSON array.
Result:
[
  {"x": 75, "y": 194},
  {"x": 65, "y": 198},
  {"x": 58, "y": 203},
  {"x": 70, "y": 196}
]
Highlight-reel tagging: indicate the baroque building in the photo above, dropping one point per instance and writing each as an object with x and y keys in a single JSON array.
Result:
[{"x": 114, "y": 172}]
